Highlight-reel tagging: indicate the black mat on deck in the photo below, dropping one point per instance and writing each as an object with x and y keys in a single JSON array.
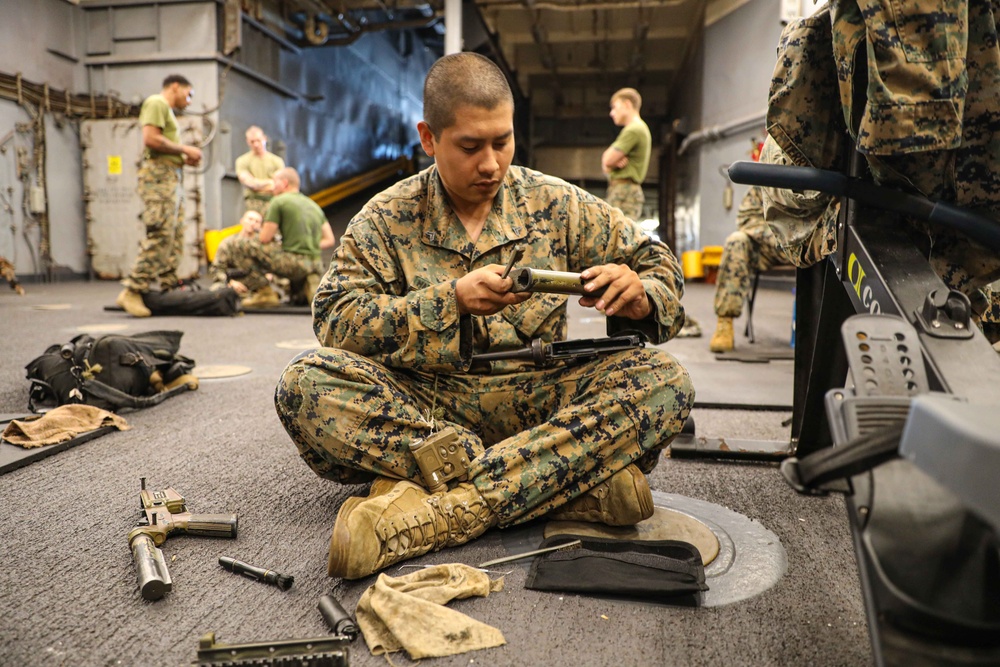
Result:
[
  {"x": 277, "y": 310},
  {"x": 13, "y": 457},
  {"x": 283, "y": 309}
]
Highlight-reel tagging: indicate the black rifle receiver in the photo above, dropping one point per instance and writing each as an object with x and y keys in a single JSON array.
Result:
[{"x": 543, "y": 354}]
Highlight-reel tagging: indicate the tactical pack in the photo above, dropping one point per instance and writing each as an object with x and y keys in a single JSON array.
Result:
[
  {"x": 192, "y": 300},
  {"x": 111, "y": 371}
]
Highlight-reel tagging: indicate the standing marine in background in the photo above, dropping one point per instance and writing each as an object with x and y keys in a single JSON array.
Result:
[
  {"x": 161, "y": 187},
  {"x": 751, "y": 247},
  {"x": 255, "y": 170},
  {"x": 626, "y": 161},
  {"x": 417, "y": 287}
]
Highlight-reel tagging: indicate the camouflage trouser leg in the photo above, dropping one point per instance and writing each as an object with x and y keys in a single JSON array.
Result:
[
  {"x": 254, "y": 204},
  {"x": 258, "y": 259},
  {"x": 162, "y": 193},
  {"x": 742, "y": 254},
  {"x": 535, "y": 439},
  {"x": 627, "y": 197}
]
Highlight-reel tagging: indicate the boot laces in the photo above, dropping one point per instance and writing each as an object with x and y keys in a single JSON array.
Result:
[{"x": 435, "y": 527}]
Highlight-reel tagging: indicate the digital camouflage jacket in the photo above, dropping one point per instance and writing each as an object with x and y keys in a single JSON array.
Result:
[{"x": 389, "y": 293}]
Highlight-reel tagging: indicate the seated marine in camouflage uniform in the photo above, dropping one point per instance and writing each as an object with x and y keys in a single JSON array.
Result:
[
  {"x": 751, "y": 247},
  {"x": 416, "y": 288},
  {"x": 304, "y": 231},
  {"x": 250, "y": 225},
  {"x": 928, "y": 73}
]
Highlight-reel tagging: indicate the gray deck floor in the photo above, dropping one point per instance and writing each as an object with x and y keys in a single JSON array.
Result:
[{"x": 68, "y": 593}]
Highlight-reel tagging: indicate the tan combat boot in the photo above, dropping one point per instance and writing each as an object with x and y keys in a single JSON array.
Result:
[
  {"x": 722, "y": 339},
  {"x": 373, "y": 533},
  {"x": 265, "y": 297},
  {"x": 131, "y": 302},
  {"x": 382, "y": 485},
  {"x": 624, "y": 499}
]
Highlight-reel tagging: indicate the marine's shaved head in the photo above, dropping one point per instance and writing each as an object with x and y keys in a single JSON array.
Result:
[{"x": 462, "y": 79}]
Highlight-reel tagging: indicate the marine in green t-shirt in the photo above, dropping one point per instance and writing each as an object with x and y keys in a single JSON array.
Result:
[
  {"x": 160, "y": 181},
  {"x": 255, "y": 170},
  {"x": 300, "y": 222},
  {"x": 157, "y": 112},
  {"x": 626, "y": 161},
  {"x": 634, "y": 141}
]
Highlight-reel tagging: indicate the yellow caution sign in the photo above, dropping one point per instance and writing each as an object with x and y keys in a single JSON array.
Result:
[{"x": 114, "y": 165}]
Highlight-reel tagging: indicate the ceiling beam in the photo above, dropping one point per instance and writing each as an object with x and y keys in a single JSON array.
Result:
[{"x": 517, "y": 31}]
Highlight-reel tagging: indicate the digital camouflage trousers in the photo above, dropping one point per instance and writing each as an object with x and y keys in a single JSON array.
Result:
[
  {"x": 258, "y": 259},
  {"x": 743, "y": 253},
  {"x": 535, "y": 439},
  {"x": 161, "y": 189},
  {"x": 627, "y": 197}
]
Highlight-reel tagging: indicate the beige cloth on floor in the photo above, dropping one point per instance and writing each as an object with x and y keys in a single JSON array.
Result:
[
  {"x": 408, "y": 612},
  {"x": 60, "y": 424}
]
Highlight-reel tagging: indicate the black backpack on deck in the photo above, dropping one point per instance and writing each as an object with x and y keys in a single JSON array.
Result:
[
  {"x": 111, "y": 371},
  {"x": 190, "y": 299}
]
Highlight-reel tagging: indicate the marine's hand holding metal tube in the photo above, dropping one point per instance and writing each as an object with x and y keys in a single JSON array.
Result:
[
  {"x": 485, "y": 292},
  {"x": 614, "y": 289},
  {"x": 162, "y": 513}
]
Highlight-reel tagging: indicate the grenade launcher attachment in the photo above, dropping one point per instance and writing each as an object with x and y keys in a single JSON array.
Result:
[{"x": 160, "y": 514}]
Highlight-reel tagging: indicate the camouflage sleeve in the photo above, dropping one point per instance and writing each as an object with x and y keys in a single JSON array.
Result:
[
  {"x": 604, "y": 235},
  {"x": 804, "y": 114},
  {"x": 804, "y": 223},
  {"x": 362, "y": 305}
]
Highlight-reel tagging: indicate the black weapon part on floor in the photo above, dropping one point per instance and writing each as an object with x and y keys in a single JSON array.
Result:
[
  {"x": 282, "y": 581},
  {"x": 337, "y": 618}
]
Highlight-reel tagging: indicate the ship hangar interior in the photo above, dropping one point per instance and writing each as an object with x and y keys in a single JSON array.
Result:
[{"x": 889, "y": 558}]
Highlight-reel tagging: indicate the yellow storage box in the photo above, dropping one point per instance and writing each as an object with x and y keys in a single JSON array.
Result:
[{"x": 213, "y": 237}]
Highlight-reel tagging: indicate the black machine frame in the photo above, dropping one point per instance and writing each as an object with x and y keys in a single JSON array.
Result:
[{"x": 878, "y": 268}]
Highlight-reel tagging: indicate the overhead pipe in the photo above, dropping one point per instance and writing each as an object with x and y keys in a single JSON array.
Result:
[
  {"x": 717, "y": 132},
  {"x": 316, "y": 36},
  {"x": 316, "y": 31}
]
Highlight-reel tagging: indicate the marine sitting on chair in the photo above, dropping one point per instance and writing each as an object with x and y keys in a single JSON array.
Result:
[
  {"x": 416, "y": 288},
  {"x": 304, "y": 232},
  {"x": 751, "y": 247}
]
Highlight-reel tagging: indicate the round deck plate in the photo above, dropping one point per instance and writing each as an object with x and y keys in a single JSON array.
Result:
[
  {"x": 750, "y": 560},
  {"x": 217, "y": 371}
]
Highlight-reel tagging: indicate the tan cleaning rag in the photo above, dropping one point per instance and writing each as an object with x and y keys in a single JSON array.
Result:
[
  {"x": 60, "y": 424},
  {"x": 408, "y": 612}
]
